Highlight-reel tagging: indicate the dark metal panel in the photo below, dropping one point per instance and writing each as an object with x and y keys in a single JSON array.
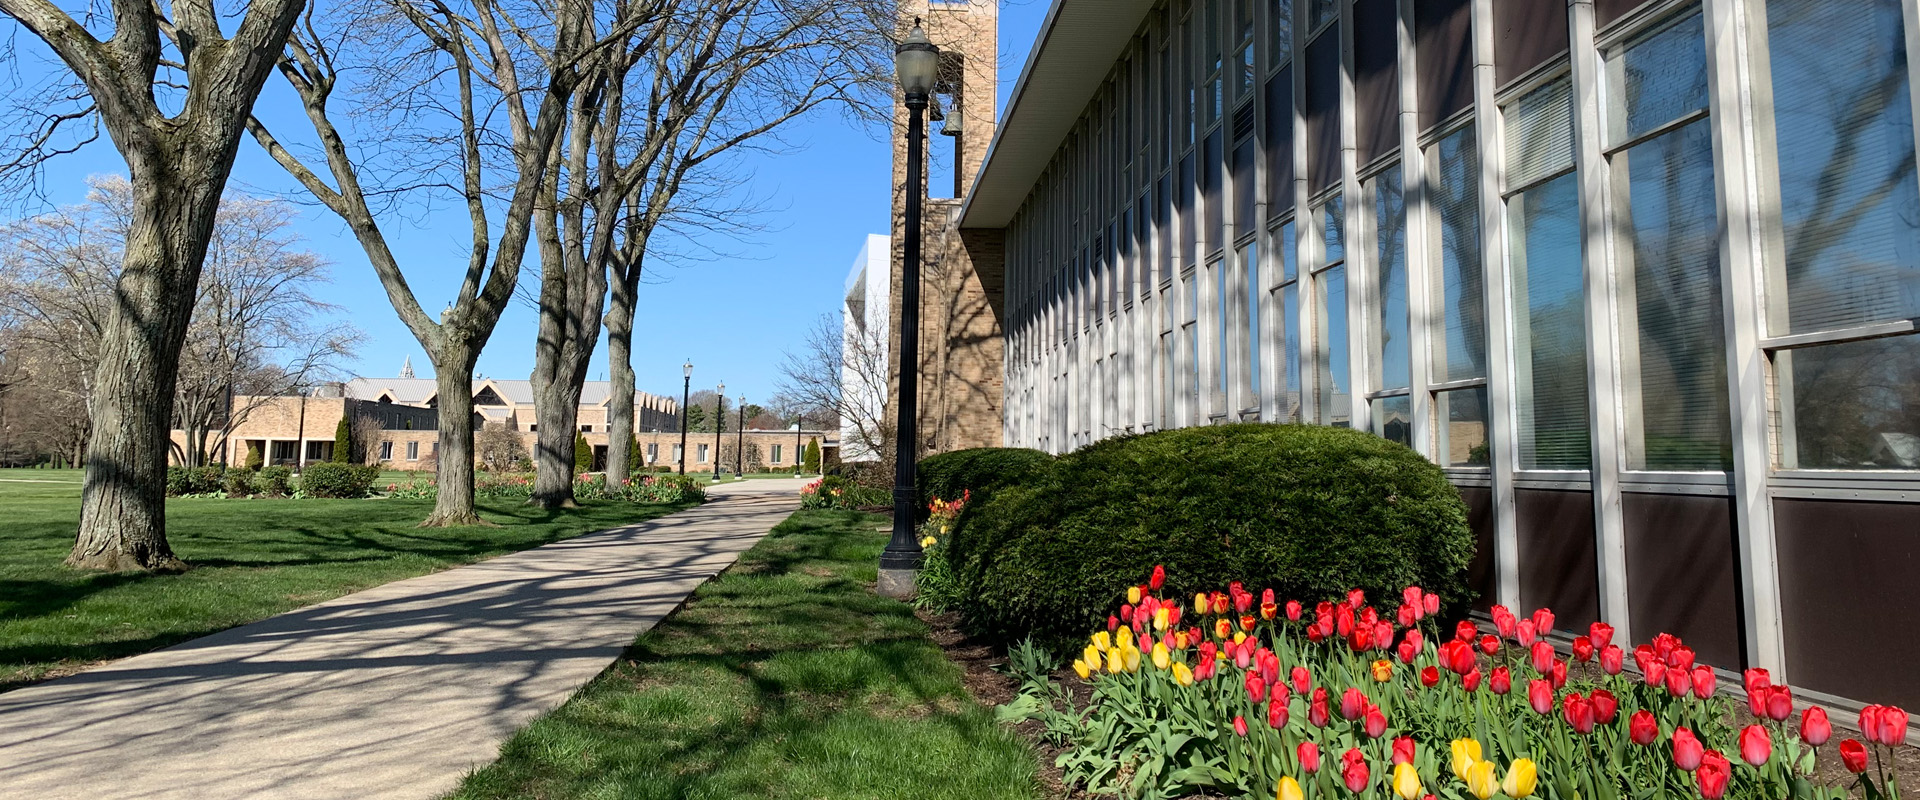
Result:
[
  {"x": 1559, "y": 563},
  {"x": 1526, "y": 34},
  {"x": 1482, "y": 577},
  {"x": 1323, "y": 109},
  {"x": 1606, "y": 11},
  {"x": 1443, "y": 49},
  {"x": 1683, "y": 573},
  {"x": 1847, "y": 572},
  {"x": 1280, "y": 142},
  {"x": 1376, "y": 77}
]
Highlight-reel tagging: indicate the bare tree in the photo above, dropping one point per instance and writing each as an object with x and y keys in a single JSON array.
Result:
[
  {"x": 842, "y": 372},
  {"x": 178, "y": 133},
  {"x": 479, "y": 58},
  {"x": 499, "y": 446}
]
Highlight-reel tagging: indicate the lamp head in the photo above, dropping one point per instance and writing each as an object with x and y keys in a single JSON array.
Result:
[
  {"x": 687, "y": 370},
  {"x": 916, "y": 61},
  {"x": 721, "y": 389}
]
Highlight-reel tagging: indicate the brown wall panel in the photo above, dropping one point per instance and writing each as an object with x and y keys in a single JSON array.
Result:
[
  {"x": 1443, "y": 48},
  {"x": 1526, "y": 34},
  {"x": 1683, "y": 573},
  {"x": 1482, "y": 574},
  {"x": 1559, "y": 565},
  {"x": 1323, "y": 110},
  {"x": 1376, "y": 77},
  {"x": 1280, "y": 142},
  {"x": 1847, "y": 575},
  {"x": 1606, "y": 11}
]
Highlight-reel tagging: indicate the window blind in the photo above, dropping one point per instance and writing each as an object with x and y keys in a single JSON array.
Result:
[{"x": 1540, "y": 133}]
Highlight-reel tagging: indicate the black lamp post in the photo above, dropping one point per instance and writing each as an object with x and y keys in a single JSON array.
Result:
[
  {"x": 917, "y": 62},
  {"x": 797, "y": 461},
  {"x": 740, "y": 439},
  {"x": 719, "y": 422},
  {"x": 686, "y": 393}
]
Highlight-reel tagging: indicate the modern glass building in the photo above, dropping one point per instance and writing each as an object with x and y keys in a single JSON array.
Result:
[{"x": 1643, "y": 277}]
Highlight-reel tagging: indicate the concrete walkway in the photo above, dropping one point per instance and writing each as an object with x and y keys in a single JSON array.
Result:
[{"x": 394, "y": 692}]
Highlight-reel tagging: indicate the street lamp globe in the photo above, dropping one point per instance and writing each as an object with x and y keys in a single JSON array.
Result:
[
  {"x": 916, "y": 61},
  {"x": 686, "y": 370}
]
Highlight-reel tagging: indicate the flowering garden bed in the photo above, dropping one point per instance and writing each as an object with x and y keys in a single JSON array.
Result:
[{"x": 1237, "y": 694}]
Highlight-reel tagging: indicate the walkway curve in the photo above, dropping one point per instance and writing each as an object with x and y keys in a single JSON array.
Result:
[{"x": 393, "y": 692}]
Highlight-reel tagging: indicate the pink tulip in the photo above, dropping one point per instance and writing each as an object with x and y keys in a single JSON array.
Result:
[
  {"x": 1277, "y": 713},
  {"x": 1376, "y": 722},
  {"x": 1540, "y": 694},
  {"x": 1687, "y": 749},
  {"x": 1523, "y": 633},
  {"x": 1240, "y": 725},
  {"x": 1755, "y": 745},
  {"x": 1814, "y": 727}
]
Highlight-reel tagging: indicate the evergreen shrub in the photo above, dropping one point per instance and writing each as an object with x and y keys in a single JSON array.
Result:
[{"x": 330, "y": 480}]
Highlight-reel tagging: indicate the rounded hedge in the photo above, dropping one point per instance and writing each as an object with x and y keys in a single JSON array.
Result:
[
  {"x": 1309, "y": 511},
  {"x": 981, "y": 470}
]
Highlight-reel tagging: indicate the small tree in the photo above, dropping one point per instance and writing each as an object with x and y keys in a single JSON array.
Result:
[
  {"x": 813, "y": 455},
  {"x": 582, "y": 454},
  {"x": 342, "y": 442},
  {"x": 254, "y": 459},
  {"x": 499, "y": 447}
]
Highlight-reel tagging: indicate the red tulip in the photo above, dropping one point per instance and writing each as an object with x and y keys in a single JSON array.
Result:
[
  {"x": 1681, "y": 657},
  {"x": 1755, "y": 678},
  {"x": 1542, "y": 657},
  {"x": 1353, "y": 770},
  {"x": 1456, "y": 657},
  {"x": 1814, "y": 727},
  {"x": 1430, "y": 677},
  {"x": 1523, "y": 633},
  {"x": 1256, "y": 687},
  {"x": 1403, "y": 750},
  {"x": 1269, "y": 664},
  {"x": 1703, "y": 681},
  {"x": 1376, "y": 722},
  {"x": 1266, "y": 596},
  {"x": 1268, "y": 611},
  {"x": 1602, "y": 635},
  {"x": 1356, "y": 598},
  {"x": 1755, "y": 745},
  {"x": 1219, "y": 603},
  {"x": 1713, "y": 774},
  {"x": 1411, "y": 596},
  {"x": 1679, "y": 683},
  {"x": 1360, "y": 639},
  {"x": 1159, "y": 578},
  {"x": 1343, "y": 621},
  {"x": 1126, "y": 610},
  {"x": 1687, "y": 750},
  {"x": 1605, "y": 706},
  {"x": 1239, "y": 725},
  {"x": 1655, "y": 673},
  {"x": 1578, "y": 712},
  {"x": 1503, "y": 621},
  {"x": 1780, "y": 704},
  {"x": 1464, "y": 630},
  {"x": 1611, "y": 659},
  {"x": 1664, "y": 644},
  {"x": 1277, "y": 713},
  {"x": 1471, "y": 680},
  {"x": 1302, "y": 680},
  {"x": 1853, "y": 756},
  {"x": 1540, "y": 694},
  {"x": 1489, "y": 644},
  {"x": 1430, "y": 604},
  {"x": 1382, "y": 634},
  {"x": 1317, "y": 708},
  {"x": 1582, "y": 649},
  {"x": 1543, "y": 621},
  {"x": 1242, "y": 602},
  {"x": 1406, "y": 615},
  {"x": 1352, "y": 703},
  {"x": 1501, "y": 681},
  {"x": 1309, "y": 754},
  {"x": 1642, "y": 728},
  {"x": 1559, "y": 675},
  {"x": 1293, "y": 610},
  {"x": 1881, "y": 724},
  {"x": 1113, "y": 623}
]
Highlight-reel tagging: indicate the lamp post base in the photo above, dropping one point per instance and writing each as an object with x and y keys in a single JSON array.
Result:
[{"x": 896, "y": 583}]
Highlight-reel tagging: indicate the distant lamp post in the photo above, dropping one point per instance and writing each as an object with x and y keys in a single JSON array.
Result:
[
  {"x": 917, "y": 62},
  {"x": 686, "y": 393},
  {"x": 719, "y": 422},
  {"x": 796, "y": 447},
  {"x": 740, "y": 439}
]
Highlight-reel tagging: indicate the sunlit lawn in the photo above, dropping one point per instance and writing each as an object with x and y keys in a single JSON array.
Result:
[
  {"x": 252, "y": 558},
  {"x": 784, "y": 678}
]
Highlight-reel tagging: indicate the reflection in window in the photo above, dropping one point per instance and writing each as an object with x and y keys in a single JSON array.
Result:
[
  {"x": 1285, "y": 325},
  {"x": 1250, "y": 325},
  {"x": 1388, "y": 328},
  {"x": 1549, "y": 327},
  {"x": 1190, "y": 346},
  {"x": 1320, "y": 12},
  {"x": 1282, "y": 14},
  {"x": 1460, "y": 346},
  {"x": 1854, "y": 405},
  {"x": 1223, "y": 316},
  {"x": 1658, "y": 77},
  {"x": 1461, "y": 433},
  {"x": 1393, "y": 419},
  {"x": 1332, "y": 382}
]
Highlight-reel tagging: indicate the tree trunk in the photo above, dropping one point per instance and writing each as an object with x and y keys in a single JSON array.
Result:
[
  {"x": 123, "y": 503},
  {"x": 556, "y": 404},
  {"x": 620, "y": 453},
  {"x": 453, "y": 379}
]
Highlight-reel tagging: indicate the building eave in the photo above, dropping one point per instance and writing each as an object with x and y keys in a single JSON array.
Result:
[{"x": 1075, "y": 51}]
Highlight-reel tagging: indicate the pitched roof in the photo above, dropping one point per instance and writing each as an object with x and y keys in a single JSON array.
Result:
[{"x": 417, "y": 391}]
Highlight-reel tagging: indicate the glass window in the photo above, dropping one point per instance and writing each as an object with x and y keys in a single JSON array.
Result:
[
  {"x": 1393, "y": 419},
  {"x": 1549, "y": 327},
  {"x": 1459, "y": 347},
  {"x": 1249, "y": 307},
  {"x": 1282, "y": 13},
  {"x": 1190, "y": 334},
  {"x": 1189, "y": 223},
  {"x": 386, "y": 451},
  {"x": 1223, "y": 327},
  {"x": 1243, "y": 59},
  {"x": 703, "y": 453},
  {"x": 1285, "y": 308},
  {"x": 1461, "y": 433},
  {"x": 1166, "y": 380},
  {"x": 1332, "y": 221},
  {"x": 1854, "y": 405},
  {"x": 1332, "y": 380},
  {"x": 1540, "y": 133},
  {"x": 1213, "y": 210},
  {"x": 1389, "y": 349},
  {"x": 413, "y": 451},
  {"x": 1658, "y": 77},
  {"x": 1320, "y": 12}
]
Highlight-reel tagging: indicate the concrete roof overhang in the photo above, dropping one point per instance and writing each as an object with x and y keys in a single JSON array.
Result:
[{"x": 1077, "y": 47}]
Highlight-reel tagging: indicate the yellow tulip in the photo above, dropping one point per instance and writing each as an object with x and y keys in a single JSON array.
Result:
[
  {"x": 1132, "y": 655},
  {"x": 1161, "y": 656},
  {"x": 1239, "y": 636},
  {"x": 1180, "y": 640},
  {"x": 927, "y": 542},
  {"x": 1091, "y": 655},
  {"x": 1289, "y": 790},
  {"x": 1160, "y": 618},
  {"x": 1382, "y": 671},
  {"x": 1520, "y": 779},
  {"x": 1116, "y": 660},
  {"x": 1182, "y": 675},
  {"x": 1124, "y": 634},
  {"x": 1080, "y": 669},
  {"x": 1466, "y": 753},
  {"x": 1201, "y": 604},
  {"x": 1133, "y": 595},
  {"x": 1481, "y": 781},
  {"x": 1406, "y": 781}
]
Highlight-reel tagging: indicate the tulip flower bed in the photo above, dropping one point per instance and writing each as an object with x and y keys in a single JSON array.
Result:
[{"x": 1243, "y": 695}]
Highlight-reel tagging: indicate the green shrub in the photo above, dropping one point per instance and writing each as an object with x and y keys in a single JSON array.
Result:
[
  {"x": 178, "y": 482},
  {"x": 253, "y": 457},
  {"x": 342, "y": 442},
  {"x": 582, "y": 454},
  {"x": 812, "y": 459},
  {"x": 238, "y": 482},
  {"x": 980, "y": 471},
  {"x": 275, "y": 481},
  {"x": 331, "y": 480},
  {"x": 1308, "y": 511},
  {"x": 836, "y": 491}
]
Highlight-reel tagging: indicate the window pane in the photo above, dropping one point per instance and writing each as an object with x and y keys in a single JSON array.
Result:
[
  {"x": 1282, "y": 12},
  {"x": 1852, "y": 406},
  {"x": 1223, "y": 362},
  {"x": 1683, "y": 423},
  {"x": 1393, "y": 419},
  {"x": 1390, "y": 350},
  {"x": 1460, "y": 346},
  {"x": 1549, "y": 327},
  {"x": 1319, "y": 12},
  {"x": 1843, "y": 121},
  {"x": 1166, "y": 380},
  {"x": 1332, "y": 381},
  {"x": 1289, "y": 321},
  {"x": 1658, "y": 77},
  {"x": 1284, "y": 253},
  {"x": 1243, "y": 221},
  {"x": 1189, "y": 222},
  {"x": 1254, "y": 287},
  {"x": 1460, "y": 437},
  {"x": 1332, "y": 219},
  {"x": 1540, "y": 133},
  {"x": 1213, "y": 210}
]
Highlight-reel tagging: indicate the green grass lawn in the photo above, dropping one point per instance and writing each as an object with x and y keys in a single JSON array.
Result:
[
  {"x": 252, "y": 558},
  {"x": 784, "y": 678}
]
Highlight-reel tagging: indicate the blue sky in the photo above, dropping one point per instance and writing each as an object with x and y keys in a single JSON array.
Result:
[{"x": 731, "y": 317}]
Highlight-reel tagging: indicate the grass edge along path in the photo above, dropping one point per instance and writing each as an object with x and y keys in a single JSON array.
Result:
[{"x": 782, "y": 677}]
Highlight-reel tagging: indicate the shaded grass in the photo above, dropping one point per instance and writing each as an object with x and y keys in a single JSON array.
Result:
[
  {"x": 252, "y": 559},
  {"x": 784, "y": 678}
]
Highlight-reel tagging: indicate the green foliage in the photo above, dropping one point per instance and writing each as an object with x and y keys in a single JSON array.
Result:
[
  {"x": 342, "y": 442},
  {"x": 980, "y": 471},
  {"x": 275, "y": 481},
  {"x": 184, "y": 481},
  {"x": 254, "y": 460},
  {"x": 837, "y": 492},
  {"x": 330, "y": 480},
  {"x": 582, "y": 454},
  {"x": 1307, "y": 510},
  {"x": 813, "y": 455},
  {"x": 238, "y": 482}
]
